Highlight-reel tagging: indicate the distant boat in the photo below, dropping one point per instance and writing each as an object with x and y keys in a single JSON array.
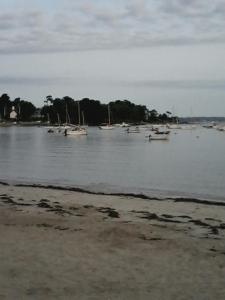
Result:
[
  {"x": 188, "y": 127},
  {"x": 209, "y": 125},
  {"x": 60, "y": 127},
  {"x": 221, "y": 128},
  {"x": 158, "y": 132},
  {"x": 174, "y": 126},
  {"x": 158, "y": 137},
  {"x": 133, "y": 130},
  {"x": 76, "y": 130},
  {"x": 107, "y": 126},
  {"x": 124, "y": 125}
]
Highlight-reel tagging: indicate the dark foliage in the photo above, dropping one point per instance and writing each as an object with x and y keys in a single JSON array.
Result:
[
  {"x": 24, "y": 109},
  {"x": 85, "y": 111},
  {"x": 93, "y": 112}
]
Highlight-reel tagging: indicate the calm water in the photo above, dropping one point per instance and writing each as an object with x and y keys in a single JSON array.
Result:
[{"x": 114, "y": 161}]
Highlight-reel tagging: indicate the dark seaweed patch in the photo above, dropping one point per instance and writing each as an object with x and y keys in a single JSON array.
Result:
[
  {"x": 43, "y": 205},
  {"x": 111, "y": 212}
]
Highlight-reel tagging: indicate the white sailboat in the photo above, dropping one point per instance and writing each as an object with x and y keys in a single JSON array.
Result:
[
  {"x": 76, "y": 130},
  {"x": 107, "y": 126}
]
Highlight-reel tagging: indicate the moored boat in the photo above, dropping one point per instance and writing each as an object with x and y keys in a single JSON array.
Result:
[
  {"x": 158, "y": 137},
  {"x": 133, "y": 130},
  {"x": 174, "y": 126},
  {"x": 107, "y": 126},
  {"x": 75, "y": 131},
  {"x": 124, "y": 124}
]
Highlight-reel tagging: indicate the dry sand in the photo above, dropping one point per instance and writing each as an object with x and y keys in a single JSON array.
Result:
[{"x": 60, "y": 244}]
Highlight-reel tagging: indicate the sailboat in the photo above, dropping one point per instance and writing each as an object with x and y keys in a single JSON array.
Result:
[
  {"x": 76, "y": 130},
  {"x": 107, "y": 126},
  {"x": 68, "y": 124}
]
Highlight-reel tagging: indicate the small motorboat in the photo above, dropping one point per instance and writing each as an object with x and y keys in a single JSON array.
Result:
[
  {"x": 124, "y": 125},
  {"x": 158, "y": 137},
  {"x": 221, "y": 128},
  {"x": 133, "y": 130},
  {"x": 50, "y": 130},
  {"x": 161, "y": 132},
  {"x": 174, "y": 126}
]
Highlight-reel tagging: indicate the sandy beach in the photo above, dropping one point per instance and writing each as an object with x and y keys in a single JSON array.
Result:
[{"x": 63, "y": 244}]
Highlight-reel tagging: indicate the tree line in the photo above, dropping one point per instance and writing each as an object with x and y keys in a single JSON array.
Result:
[
  {"x": 24, "y": 109},
  {"x": 88, "y": 111}
]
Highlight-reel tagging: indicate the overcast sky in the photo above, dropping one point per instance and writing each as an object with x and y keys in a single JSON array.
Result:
[{"x": 165, "y": 54}]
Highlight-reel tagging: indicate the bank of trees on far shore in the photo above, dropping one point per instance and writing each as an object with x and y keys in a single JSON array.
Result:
[
  {"x": 92, "y": 112},
  {"x": 24, "y": 109}
]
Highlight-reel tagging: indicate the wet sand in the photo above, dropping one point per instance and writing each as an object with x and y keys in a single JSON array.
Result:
[{"x": 62, "y": 244}]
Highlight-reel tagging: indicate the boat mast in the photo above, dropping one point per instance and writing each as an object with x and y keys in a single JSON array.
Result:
[
  {"x": 58, "y": 119},
  {"x": 78, "y": 107},
  {"x": 109, "y": 114},
  {"x": 83, "y": 118},
  {"x": 48, "y": 118},
  {"x": 67, "y": 115},
  {"x": 5, "y": 111},
  {"x": 19, "y": 112}
]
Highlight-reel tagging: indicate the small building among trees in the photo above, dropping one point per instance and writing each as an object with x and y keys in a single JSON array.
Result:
[{"x": 13, "y": 114}]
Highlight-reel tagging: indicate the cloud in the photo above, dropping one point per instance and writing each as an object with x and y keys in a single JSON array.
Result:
[
  {"x": 179, "y": 84},
  {"x": 43, "y": 81},
  {"x": 86, "y": 25},
  {"x": 193, "y": 8},
  {"x": 152, "y": 84}
]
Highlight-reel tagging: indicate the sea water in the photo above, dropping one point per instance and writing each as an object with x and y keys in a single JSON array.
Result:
[{"x": 190, "y": 164}]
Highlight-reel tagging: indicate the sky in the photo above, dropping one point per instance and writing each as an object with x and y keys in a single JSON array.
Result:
[{"x": 165, "y": 54}]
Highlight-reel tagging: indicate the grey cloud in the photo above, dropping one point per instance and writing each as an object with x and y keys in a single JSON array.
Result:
[
  {"x": 7, "y": 21},
  {"x": 9, "y": 80},
  {"x": 21, "y": 20},
  {"x": 156, "y": 84},
  {"x": 32, "y": 19},
  {"x": 43, "y": 42},
  {"x": 137, "y": 9},
  {"x": 102, "y": 15},
  {"x": 136, "y": 23},
  {"x": 193, "y": 8},
  {"x": 179, "y": 84}
]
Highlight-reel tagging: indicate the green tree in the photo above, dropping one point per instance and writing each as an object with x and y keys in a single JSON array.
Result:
[
  {"x": 27, "y": 109},
  {"x": 5, "y": 106}
]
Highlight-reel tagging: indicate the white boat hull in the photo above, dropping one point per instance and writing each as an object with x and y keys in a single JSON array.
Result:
[
  {"x": 76, "y": 132},
  {"x": 158, "y": 138},
  {"x": 108, "y": 127},
  {"x": 173, "y": 126}
]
